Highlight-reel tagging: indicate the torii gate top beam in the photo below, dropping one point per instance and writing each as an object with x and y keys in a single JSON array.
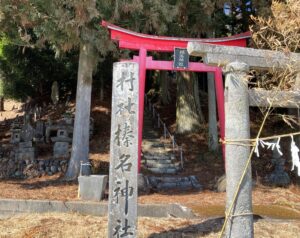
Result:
[{"x": 134, "y": 41}]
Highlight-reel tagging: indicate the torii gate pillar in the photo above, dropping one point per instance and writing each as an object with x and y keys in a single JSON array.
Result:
[{"x": 142, "y": 78}]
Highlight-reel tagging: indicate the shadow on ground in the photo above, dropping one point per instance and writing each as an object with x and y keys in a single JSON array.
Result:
[
  {"x": 45, "y": 183},
  {"x": 196, "y": 230},
  {"x": 204, "y": 228}
]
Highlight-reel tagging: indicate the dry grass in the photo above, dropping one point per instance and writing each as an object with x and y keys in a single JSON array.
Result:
[
  {"x": 75, "y": 226},
  {"x": 48, "y": 187},
  {"x": 278, "y": 32}
]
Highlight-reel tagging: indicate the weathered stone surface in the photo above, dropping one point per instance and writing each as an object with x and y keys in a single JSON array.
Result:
[
  {"x": 39, "y": 130},
  {"x": 156, "y": 164},
  {"x": 237, "y": 126},
  {"x": 61, "y": 139},
  {"x": 163, "y": 156},
  {"x": 181, "y": 183},
  {"x": 223, "y": 55},
  {"x": 68, "y": 118},
  {"x": 27, "y": 144},
  {"x": 61, "y": 150},
  {"x": 92, "y": 187},
  {"x": 29, "y": 168},
  {"x": 25, "y": 154},
  {"x": 284, "y": 99},
  {"x": 15, "y": 136},
  {"x": 61, "y": 145},
  {"x": 15, "y": 206},
  {"x": 124, "y": 151},
  {"x": 27, "y": 133},
  {"x": 50, "y": 128},
  {"x": 143, "y": 184},
  {"x": 195, "y": 182},
  {"x": 164, "y": 170},
  {"x": 278, "y": 177},
  {"x": 53, "y": 169}
]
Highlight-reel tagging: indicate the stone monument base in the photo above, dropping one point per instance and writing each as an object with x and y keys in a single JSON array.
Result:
[{"x": 92, "y": 187}]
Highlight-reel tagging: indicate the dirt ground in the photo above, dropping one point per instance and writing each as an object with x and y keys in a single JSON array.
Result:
[
  {"x": 79, "y": 226},
  {"x": 280, "y": 203}
]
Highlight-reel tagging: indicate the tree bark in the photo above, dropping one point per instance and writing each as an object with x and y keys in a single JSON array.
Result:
[
  {"x": 80, "y": 144},
  {"x": 188, "y": 118},
  {"x": 101, "y": 89},
  {"x": 165, "y": 96},
  {"x": 1, "y": 103},
  {"x": 212, "y": 114}
]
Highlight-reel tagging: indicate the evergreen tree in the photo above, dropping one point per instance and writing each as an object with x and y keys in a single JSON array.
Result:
[
  {"x": 74, "y": 24},
  {"x": 64, "y": 25}
]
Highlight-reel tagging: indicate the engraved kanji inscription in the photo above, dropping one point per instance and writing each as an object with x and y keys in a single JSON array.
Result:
[
  {"x": 123, "y": 135},
  {"x": 122, "y": 231},
  {"x": 128, "y": 106},
  {"x": 125, "y": 192},
  {"x": 127, "y": 78},
  {"x": 124, "y": 165}
]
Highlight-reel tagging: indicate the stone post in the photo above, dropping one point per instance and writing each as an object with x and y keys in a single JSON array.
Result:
[
  {"x": 296, "y": 111},
  {"x": 237, "y": 126},
  {"x": 212, "y": 114},
  {"x": 123, "y": 170}
]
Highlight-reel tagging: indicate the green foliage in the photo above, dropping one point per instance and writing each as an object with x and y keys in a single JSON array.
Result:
[
  {"x": 40, "y": 33},
  {"x": 31, "y": 72},
  {"x": 147, "y": 16},
  {"x": 63, "y": 24},
  {"x": 3, "y": 42},
  {"x": 45, "y": 30}
]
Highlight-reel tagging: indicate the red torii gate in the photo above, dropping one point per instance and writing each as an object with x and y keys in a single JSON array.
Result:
[{"x": 143, "y": 43}]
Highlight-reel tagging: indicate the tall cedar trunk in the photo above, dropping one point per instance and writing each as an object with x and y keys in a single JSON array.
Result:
[
  {"x": 80, "y": 145},
  {"x": 1, "y": 103},
  {"x": 188, "y": 118},
  {"x": 197, "y": 99},
  {"x": 212, "y": 114},
  {"x": 101, "y": 89},
  {"x": 212, "y": 110},
  {"x": 1, "y": 92},
  {"x": 165, "y": 96}
]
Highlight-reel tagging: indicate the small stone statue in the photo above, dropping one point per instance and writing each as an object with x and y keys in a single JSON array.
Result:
[
  {"x": 54, "y": 93},
  {"x": 278, "y": 177}
]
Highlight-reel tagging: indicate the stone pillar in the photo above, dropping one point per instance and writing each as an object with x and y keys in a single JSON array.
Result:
[
  {"x": 296, "y": 111},
  {"x": 237, "y": 126},
  {"x": 123, "y": 171},
  {"x": 212, "y": 114}
]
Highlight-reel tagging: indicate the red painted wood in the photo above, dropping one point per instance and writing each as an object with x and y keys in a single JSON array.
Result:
[
  {"x": 221, "y": 105},
  {"x": 168, "y": 65},
  {"x": 142, "y": 80},
  {"x": 161, "y": 46},
  {"x": 132, "y": 40}
]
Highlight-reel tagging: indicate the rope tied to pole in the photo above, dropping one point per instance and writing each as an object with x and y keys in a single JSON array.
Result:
[{"x": 253, "y": 142}]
